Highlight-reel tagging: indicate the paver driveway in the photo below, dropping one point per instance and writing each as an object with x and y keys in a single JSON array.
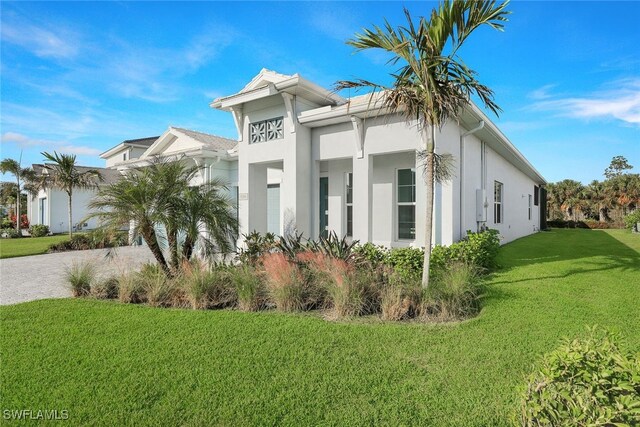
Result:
[{"x": 42, "y": 276}]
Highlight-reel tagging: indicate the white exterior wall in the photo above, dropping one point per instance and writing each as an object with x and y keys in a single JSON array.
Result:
[
  {"x": 516, "y": 189},
  {"x": 117, "y": 157},
  {"x": 333, "y": 141},
  {"x": 56, "y": 214}
]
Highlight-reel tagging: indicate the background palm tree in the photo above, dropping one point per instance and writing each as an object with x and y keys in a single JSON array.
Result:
[
  {"x": 570, "y": 193},
  {"x": 158, "y": 197},
  {"x": 433, "y": 84},
  {"x": 63, "y": 174},
  {"x": 21, "y": 175}
]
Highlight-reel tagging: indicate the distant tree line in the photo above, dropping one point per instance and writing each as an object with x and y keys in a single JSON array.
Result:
[{"x": 606, "y": 201}]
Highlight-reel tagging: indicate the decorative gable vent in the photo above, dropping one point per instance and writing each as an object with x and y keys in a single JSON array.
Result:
[{"x": 266, "y": 130}]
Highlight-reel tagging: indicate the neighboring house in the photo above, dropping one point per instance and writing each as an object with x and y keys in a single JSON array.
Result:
[
  {"x": 51, "y": 206},
  {"x": 127, "y": 150},
  {"x": 312, "y": 161},
  {"x": 214, "y": 155}
]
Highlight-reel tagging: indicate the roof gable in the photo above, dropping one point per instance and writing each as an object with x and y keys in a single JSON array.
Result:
[
  {"x": 178, "y": 140},
  {"x": 264, "y": 78}
]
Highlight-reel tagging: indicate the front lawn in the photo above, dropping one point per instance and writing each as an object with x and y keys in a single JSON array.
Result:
[
  {"x": 24, "y": 246},
  {"x": 113, "y": 364}
]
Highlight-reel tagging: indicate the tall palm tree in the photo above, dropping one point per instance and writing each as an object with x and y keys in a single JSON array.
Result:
[
  {"x": 433, "y": 84},
  {"x": 601, "y": 197},
  {"x": 570, "y": 193},
  {"x": 21, "y": 175},
  {"x": 63, "y": 173}
]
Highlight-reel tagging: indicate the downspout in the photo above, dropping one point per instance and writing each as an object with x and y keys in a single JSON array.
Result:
[{"x": 462, "y": 137}]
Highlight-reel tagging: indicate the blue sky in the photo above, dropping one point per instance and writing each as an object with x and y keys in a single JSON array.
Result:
[{"x": 80, "y": 77}]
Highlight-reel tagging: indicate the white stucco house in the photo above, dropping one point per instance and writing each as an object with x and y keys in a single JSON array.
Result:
[
  {"x": 51, "y": 206},
  {"x": 308, "y": 159}
]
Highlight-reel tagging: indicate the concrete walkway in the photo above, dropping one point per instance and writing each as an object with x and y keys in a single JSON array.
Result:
[{"x": 42, "y": 276}]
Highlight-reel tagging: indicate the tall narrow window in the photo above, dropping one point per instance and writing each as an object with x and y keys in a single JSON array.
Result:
[
  {"x": 497, "y": 202},
  {"x": 349, "y": 203},
  {"x": 124, "y": 157},
  {"x": 406, "y": 199},
  {"x": 536, "y": 195},
  {"x": 530, "y": 207}
]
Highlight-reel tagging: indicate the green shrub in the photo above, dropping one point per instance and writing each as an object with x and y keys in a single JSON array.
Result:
[
  {"x": 38, "y": 230},
  {"x": 105, "y": 289},
  {"x": 255, "y": 246},
  {"x": 480, "y": 249},
  {"x": 333, "y": 246},
  {"x": 588, "y": 381},
  {"x": 7, "y": 223},
  {"x": 79, "y": 276},
  {"x": 291, "y": 245},
  {"x": 454, "y": 294},
  {"x": 373, "y": 255},
  {"x": 207, "y": 287},
  {"x": 407, "y": 262},
  {"x": 9, "y": 233},
  {"x": 95, "y": 239},
  {"x": 631, "y": 220},
  {"x": 249, "y": 288}
]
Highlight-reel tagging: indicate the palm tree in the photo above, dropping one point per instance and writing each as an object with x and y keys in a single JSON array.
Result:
[
  {"x": 207, "y": 217},
  {"x": 570, "y": 193},
  {"x": 21, "y": 175},
  {"x": 131, "y": 201},
  {"x": 433, "y": 84},
  {"x": 159, "y": 195},
  {"x": 601, "y": 197},
  {"x": 64, "y": 174}
]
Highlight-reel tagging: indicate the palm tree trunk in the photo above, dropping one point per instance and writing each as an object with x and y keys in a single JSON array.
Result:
[
  {"x": 149, "y": 236},
  {"x": 428, "y": 226},
  {"x": 602, "y": 213},
  {"x": 18, "y": 209},
  {"x": 70, "y": 215},
  {"x": 187, "y": 248},
  {"x": 172, "y": 240}
]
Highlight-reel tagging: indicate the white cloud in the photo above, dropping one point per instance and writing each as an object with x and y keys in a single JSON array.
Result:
[
  {"x": 24, "y": 141},
  {"x": 621, "y": 101},
  {"x": 541, "y": 92},
  {"x": 43, "y": 42}
]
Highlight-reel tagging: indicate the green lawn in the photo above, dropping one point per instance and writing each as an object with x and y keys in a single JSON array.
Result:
[
  {"x": 113, "y": 364},
  {"x": 10, "y": 248}
]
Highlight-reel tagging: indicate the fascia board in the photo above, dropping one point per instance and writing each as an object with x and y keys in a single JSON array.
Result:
[{"x": 241, "y": 98}]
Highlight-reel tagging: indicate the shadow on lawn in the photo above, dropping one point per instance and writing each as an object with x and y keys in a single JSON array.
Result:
[{"x": 607, "y": 252}]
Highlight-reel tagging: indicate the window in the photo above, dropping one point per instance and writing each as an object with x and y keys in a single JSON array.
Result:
[
  {"x": 497, "y": 202},
  {"x": 536, "y": 195},
  {"x": 349, "y": 203},
  {"x": 530, "y": 207},
  {"x": 266, "y": 130},
  {"x": 406, "y": 199},
  {"x": 124, "y": 157}
]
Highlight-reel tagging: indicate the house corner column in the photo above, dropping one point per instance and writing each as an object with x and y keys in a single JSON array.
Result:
[{"x": 362, "y": 198}]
